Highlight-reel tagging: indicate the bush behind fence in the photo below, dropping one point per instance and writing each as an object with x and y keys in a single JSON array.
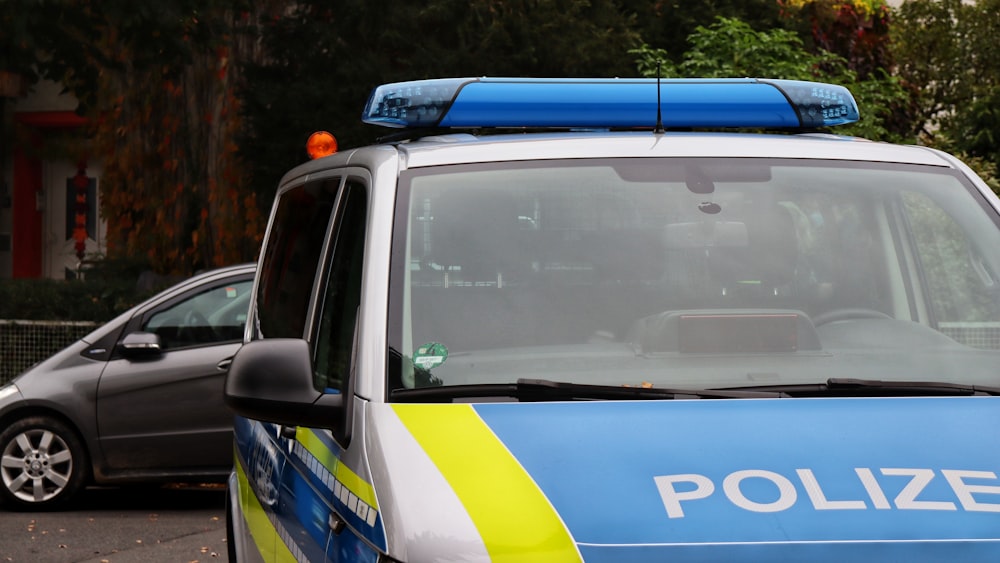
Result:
[{"x": 24, "y": 343}]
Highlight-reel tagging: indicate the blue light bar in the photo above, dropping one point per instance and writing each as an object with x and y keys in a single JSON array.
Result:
[{"x": 627, "y": 103}]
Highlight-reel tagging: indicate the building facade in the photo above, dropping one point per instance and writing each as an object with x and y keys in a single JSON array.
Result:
[{"x": 50, "y": 222}]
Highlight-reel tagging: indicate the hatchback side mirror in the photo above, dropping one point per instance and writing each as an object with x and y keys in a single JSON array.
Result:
[
  {"x": 272, "y": 380},
  {"x": 137, "y": 345}
]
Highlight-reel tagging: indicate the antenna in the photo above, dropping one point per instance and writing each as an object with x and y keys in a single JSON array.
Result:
[{"x": 659, "y": 114}]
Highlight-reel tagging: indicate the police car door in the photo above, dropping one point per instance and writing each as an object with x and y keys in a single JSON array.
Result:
[
  {"x": 304, "y": 490},
  {"x": 314, "y": 487}
]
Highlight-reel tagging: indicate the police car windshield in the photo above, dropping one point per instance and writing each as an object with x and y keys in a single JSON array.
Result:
[{"x": 693, "y": 273}]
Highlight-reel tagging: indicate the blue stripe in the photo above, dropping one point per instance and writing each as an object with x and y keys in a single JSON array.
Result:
[
  {"x": 823, "y": 552},
  {"x": 306, "y": 517},
  {"x": 299, "y": 506}
]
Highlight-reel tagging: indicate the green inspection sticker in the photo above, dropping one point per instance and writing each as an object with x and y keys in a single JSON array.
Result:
[{"x": 430, "y": 355}]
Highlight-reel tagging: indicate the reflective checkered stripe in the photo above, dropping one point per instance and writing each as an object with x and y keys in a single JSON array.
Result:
[{"x": 345, "y": 485}]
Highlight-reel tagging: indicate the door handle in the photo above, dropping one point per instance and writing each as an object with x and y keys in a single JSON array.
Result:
[{"x": 224, "y": 364}]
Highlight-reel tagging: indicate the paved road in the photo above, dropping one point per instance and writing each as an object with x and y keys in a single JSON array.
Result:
[{"x": 173, "y": 524}]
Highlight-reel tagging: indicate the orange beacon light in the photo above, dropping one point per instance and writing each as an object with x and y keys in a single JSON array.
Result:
[{"x": 321, "y": 144}]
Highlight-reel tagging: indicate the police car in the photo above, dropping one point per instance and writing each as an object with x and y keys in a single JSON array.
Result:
[{"x": 621, "y": 320}]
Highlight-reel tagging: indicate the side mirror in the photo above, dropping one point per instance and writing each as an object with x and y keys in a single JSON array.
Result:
[
  {"x": 272, "y": 380},
  {"x": 138, "y": 345}
]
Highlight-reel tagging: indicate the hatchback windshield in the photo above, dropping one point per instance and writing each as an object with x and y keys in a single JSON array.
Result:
[{"x": 693, "y": 273}]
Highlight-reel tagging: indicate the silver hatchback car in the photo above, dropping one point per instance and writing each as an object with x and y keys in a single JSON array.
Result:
[{"x": 137, "y": 400}]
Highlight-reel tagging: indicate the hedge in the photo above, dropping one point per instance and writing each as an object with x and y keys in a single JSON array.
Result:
[{"x": 107, "y": 289}]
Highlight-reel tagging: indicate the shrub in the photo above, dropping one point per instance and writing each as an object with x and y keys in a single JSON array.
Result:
[{"x": 108, "y": 289}]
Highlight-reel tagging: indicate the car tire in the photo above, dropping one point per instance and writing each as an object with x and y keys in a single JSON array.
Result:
[{"x": 43, "y": 464}]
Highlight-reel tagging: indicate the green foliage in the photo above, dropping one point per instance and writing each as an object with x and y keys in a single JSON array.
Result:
[
  {"x": 986, "y": 168},
  {"x": 668, "y": 25},
  {"x": 929, "y": 38},
  {"x": 731, "y": 48},
  {"x": 879, "y": 98},
  {"x": 978, "y": 125}
]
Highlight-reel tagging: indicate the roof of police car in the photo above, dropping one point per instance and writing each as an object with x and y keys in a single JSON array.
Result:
[{"x": 466, "y": 148}]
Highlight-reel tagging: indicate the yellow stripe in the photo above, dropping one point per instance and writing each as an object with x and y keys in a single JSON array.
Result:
[
  {"x": 354, "y": 483},
  {"x": 515, "y": 520},
  {"x": 264, "y": 535}
]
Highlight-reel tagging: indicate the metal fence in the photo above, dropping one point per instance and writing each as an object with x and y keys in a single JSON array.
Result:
[
  {"x": 24, "y": 343},
  {"x": 976, "y": 335}
]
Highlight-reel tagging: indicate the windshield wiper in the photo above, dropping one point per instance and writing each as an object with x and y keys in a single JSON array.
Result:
[
  {"x": 910, "y": 387},
  {"x": 850, "y": 387},
  {"x": 534, "y": 390}
]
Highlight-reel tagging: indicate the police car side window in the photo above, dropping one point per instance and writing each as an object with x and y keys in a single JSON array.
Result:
[
  {"x": 292, "y": 256},
  {"x": 334, "y": 342}
]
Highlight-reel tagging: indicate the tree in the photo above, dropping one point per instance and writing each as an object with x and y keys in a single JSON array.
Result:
[
  {"x": 944, "y": 50},
  {"x": 157, "y": 82},
  {"x": 856, "y": 30},
  {"x": 929, "y": 37}
]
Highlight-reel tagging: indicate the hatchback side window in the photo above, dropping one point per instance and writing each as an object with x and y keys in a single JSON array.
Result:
[
  {"x": 209, "y": 317},
  {"x": 334, "y": 342}
]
